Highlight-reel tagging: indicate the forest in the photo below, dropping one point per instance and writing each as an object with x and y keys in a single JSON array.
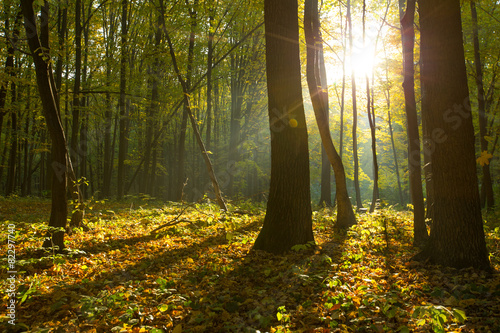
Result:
[{"x": 249, "y": 166}]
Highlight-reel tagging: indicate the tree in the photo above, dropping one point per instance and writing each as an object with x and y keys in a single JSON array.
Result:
[
  {"x": 319, "y": 96},
  {"x": 457, "y": 235},
  {"x": 288, "y": 219},
  {"x": 124, "y": 114},
  {"x": 417, "y": 198},
  {"x": 185, "y": 84},
  {"x": 359, "y": 202},
  {"x": 487, "y": 185},
  {"x": 39, "y": 47}
]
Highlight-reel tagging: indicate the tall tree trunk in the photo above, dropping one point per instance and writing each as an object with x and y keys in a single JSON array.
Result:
[
  {"x": 238, "y": 64},
  {"x": 14, "y": 147},
  {"x": 108, "y": 112},
  {"x": 186, "y": 92},
  {"x": 181, "y": 178},
  {"x": 371, "y": 121},
  {"x": 319, "y": 97},
  {"x": 48, "y": 92},
  {"x": 210, "y": 59},
  {"x": 123, "y": 133},
  {"x": 62, "y": 27},
  {"x": 326, "y": 188},
  {"x": 408, "y": 37},
  {"x": 9, "y": 69},
  {"x": 75, "y": 125},
  {"x": 288, "y": 219},
  {"x": 359, "y": 203},
  {"x": 457, "y": 236},
  {"x": 487, "y": 184},
  {"x": 393, "y": 145}
]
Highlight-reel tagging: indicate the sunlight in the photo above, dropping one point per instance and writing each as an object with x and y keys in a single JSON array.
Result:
[{"x": 363, "y": 61}]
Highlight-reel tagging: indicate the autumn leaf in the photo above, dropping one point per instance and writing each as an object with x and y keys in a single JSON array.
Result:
[{"x": 484, "y": 159}]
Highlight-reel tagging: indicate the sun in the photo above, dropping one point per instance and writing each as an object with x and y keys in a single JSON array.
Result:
[{"x": 362, "y": 61}]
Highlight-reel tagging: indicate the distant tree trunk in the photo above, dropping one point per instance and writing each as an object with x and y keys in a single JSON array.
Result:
[
  {"x": 417, "y": 199},
  {"x": 359, "y": 202},
  {"x": 110, "y": 28},
  {"x": 457, "y": 236},
  {"x": 48, "y": 92},
  {"x": 342, "y": 96},
  {"x": 238, "y": 62},
  {"x": 210, "y": 56},
  {"x": 75, "y": 128},
  {"x": 181, "y": 178},
  {"x": 14, "y": 142},
  {"x": 487, "y": 184},
  {"x": 393, "y": 145},
  {"x": 123, "y": 133},
  {"x": 14, "y": 146},
  {"x": 326, "y": 187},
  {"x": 154, "y": 73},
  {"x": 186, "y": 92},
  {"x": 319, "y": 98},
  {"x": 9, "y": 69},
  {"x": 370, "y": 110},
  {"x": 62, "y": 25},
  {"x": 288, "y": 219}
]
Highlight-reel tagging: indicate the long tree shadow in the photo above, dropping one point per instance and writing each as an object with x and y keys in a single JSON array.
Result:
[
  {"x": 161, "y": 262},
  {"x": 249, "y": 295}
]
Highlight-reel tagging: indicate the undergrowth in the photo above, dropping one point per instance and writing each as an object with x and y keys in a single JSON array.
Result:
[{"x": 197, "y": 273}]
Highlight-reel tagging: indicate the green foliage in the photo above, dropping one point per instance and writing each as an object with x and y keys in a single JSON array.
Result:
[
  {"x": 438, "y": 316},
  {"x": 120, "y": 276}
]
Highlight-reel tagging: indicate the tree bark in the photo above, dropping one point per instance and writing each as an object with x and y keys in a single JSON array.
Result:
[
  {"x": 48, "y": 95},
  {"x": 417, "y": 199},
  {"x": 288, "y": 219},
  {"x": 319, "y": 98},
  {"x": 457, "y": 236}
]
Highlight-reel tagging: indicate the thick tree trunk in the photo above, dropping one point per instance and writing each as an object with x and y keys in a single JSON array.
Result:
[
  {"x": 457, "y": 236},
  {"x": 47, "y": 89},
  {"x": 417, "y": 199},
  {"x": 319, "y": 98},
  {"x": 288, "y": 220}
]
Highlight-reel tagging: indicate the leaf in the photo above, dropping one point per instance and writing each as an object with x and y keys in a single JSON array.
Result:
[
  {"x": 490, "y": 139},
  {"x": 177, "y": 329},
  {"x": 163, "y": 307},
  {"x": 404, "y": 329},
  {"x": 484, "y": 159},
  {"x": 459, "y": 315}
]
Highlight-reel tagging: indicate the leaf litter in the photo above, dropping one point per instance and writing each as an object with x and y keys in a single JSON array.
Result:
[{"x": 197, "y": 273}]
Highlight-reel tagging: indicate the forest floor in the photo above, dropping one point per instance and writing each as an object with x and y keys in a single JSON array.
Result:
[{"x": 200, "y": 275}]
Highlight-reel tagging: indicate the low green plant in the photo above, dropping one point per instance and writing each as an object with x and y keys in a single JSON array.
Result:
[{"x": 437, "y": 316}]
